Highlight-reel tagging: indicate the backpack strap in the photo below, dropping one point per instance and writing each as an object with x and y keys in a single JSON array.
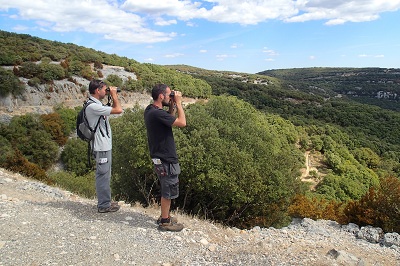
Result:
[{"x": 91, "y": 143}]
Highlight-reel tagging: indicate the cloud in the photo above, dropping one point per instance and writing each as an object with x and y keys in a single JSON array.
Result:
[
  {"x": 177, "y": 8},
  {"x": 222, "y": 57},
  {"x": 135, "y": 21},
  {"x": 236, "y": 45},
  {"x": 98, "y": 17},
  {"x": 173, "y": 55},
  {"x": 203, "y": 51},
  {"x": 342, "y": 11},
  {"x": 162, "y": 22},
  {"x": 375, "y": 56},
  {"x": 252, "y": 12},
  {"x": 270, "y": 52},
  {"x": 20, "y": 28}
]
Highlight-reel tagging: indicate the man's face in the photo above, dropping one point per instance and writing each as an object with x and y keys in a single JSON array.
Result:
[
  {"x": 167, "y": 98},
  {"x": 102, "y": 91}
]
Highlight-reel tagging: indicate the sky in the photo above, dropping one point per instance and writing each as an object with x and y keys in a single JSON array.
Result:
[{"x": 247, "y": 36}]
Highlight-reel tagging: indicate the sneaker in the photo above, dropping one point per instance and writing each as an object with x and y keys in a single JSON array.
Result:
[
  {"x": 114, "y": 203},
  {"x": 112, "y": 208},
  {"x": 173, "y": 220},
  {"x": 173, "y": 227}
]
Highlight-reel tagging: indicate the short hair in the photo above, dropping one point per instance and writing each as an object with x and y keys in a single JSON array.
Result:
[
  {"x": 157, "y": 90},
  {"x": 95, "y": 84}
]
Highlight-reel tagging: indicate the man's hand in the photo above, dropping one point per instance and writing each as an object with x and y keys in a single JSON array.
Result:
[
  {"x": 181, "y": 119},
  {"x": 113, "y": 91},
  {"x": 116, "y": 106},
  {"x": 178, "y": 97}
]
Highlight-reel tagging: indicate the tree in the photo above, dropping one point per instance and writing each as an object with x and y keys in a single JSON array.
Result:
[
  {"x": 367, "y": 157},
  {"x": 9, "y": 83}
]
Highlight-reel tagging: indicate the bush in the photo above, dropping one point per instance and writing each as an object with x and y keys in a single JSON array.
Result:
[
  {"x": 239, "y": 166},
  {"x": 54, "y": 125},
  {"x": 27, "y": 134},
  {"x": 52, "y": 72},
  {"x": 379, "y": 207},
  {"x": 29, "y": 70},
  {"x": 9, "y": 83},
  {"x": 317, "y": 208},
  {"x": 82, "y": 185},
  {"x": 18, "y": 163},
  {"x": 133, "y": 176},
  {"x": 34, "y": 82},
  {"x": 114, "y": 80},
  {"x": 88, "y": 73},
  {"x": 6, "y": 151},
  {"x": 74, "y": 156},
  {"x": 76, "y": 66},
  {"x": 40, "y": 149},
  {"x": 68, "y": 117}
]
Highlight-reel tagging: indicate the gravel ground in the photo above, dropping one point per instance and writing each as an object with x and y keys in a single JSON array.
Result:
[{"x": 43, "y": 225}]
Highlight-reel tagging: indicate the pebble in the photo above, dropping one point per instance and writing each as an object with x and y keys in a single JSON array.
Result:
[{"x": 63, "y": 229}]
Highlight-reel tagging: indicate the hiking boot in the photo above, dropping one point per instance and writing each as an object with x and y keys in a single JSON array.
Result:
[
  {"x": 173, "y": 220},
  {"x": 112, "y": 208},
  {"x": 173, "y": 227}
]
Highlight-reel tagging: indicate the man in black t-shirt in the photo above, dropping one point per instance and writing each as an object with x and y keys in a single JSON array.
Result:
[{"x": 159, "y": 123}]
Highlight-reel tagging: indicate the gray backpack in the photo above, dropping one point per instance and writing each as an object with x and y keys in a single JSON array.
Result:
[{"x": 83, "y": 129}]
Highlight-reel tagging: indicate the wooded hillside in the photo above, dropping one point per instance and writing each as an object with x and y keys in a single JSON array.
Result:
[{"x": 243, "y": 149}]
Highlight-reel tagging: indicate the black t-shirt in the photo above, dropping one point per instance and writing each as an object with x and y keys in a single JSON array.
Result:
[{"x": 159, "y": 134}]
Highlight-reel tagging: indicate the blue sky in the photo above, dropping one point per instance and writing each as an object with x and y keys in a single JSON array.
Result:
[{"x": 244, "y": 36}]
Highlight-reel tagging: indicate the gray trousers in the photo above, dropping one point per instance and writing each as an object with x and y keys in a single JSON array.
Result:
[{"x": 103, "y": 177}]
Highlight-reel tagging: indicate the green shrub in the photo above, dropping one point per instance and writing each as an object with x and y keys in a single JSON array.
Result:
[
  {"x": 27, "y": 134},
  {"x": 68, "y": 117},
  {"x": 133, "y": 85},
  {"x": 88, "y": 73},
  {"x": 6, "y": 151},
  {"x": 29, "y": 70},
  {"x": 76, "y": 66},
  {"x": 238, "y": 165},
  {"x": 9, "y": 83},
  {"x": 74, "y": 156},
  {"x": 114, "y": 80},
  {"x": 52, "y": 72},
  {"x": 133, "y": 178},
  {"x": 34, "y": 82},
  {"x": 81, "y": 185}
]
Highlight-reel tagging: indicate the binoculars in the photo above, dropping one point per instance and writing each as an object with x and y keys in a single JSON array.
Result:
[{"x": 108, "y": 89}]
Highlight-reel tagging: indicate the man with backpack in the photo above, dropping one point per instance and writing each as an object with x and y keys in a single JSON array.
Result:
[{"x": 97, "y": 115}]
